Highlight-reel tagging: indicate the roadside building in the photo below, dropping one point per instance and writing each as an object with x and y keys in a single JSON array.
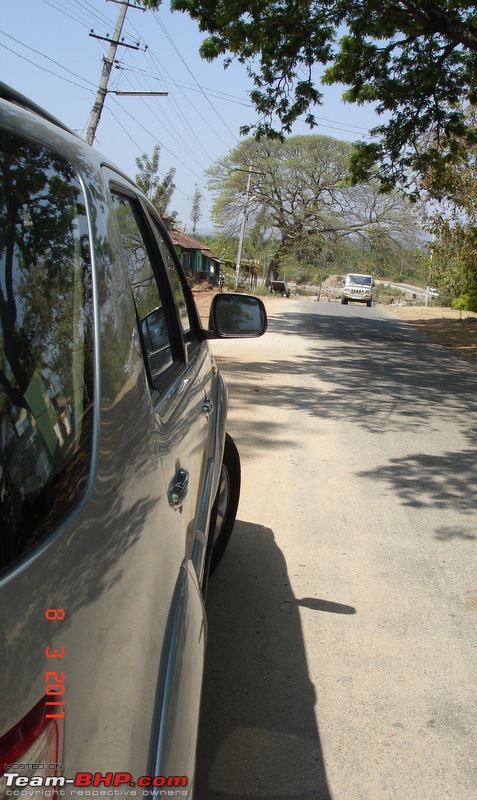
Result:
[{"x": 196, "y": 257}]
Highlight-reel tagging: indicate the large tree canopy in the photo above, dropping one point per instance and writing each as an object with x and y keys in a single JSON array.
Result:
[
  {"x": 416, "y": 60},
  {"x": 299, "y": 189}
]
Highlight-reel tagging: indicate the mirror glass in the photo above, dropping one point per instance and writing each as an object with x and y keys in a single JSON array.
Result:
[{"x": 238, "y": 315}]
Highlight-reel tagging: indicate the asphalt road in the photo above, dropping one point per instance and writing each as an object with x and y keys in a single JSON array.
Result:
[{"x": 342, "y": 652}]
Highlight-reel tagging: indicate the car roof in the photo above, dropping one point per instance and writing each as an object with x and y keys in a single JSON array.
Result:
[
  {"x": 10, "y": 94},
  {"x": 70, "y": 144}
]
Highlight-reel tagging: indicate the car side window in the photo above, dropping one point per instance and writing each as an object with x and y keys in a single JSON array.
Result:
[
  {"x": 46, "y": 344},
  {"x": 156, "y": 323},
  {"x": 176, "y": 285}
]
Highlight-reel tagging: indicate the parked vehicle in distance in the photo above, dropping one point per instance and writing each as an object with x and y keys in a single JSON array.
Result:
[
  {"x": 119, "y": 484},
  {"x": 432, "y": 292},
  {"x": 358, "y": 288}
]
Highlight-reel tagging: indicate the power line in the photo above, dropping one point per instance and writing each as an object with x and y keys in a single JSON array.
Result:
[
  {"x": 106, "y": 71},
  {"x": 156, "y": 63},
  {"x": 93, "y": 12},
  {"x": 196, "y": 88},
  {"x": 162, "y": 26},
  {"x": 49, "y": 71},
  {"x": 140, "y": 149},
  {"x": 62, "y": 11},
  {"x": 175, "y": 133},
  {"x": 154, "y": 138},
  {"x": 43, "y": 55},
  {"x": 199, "y": 114}
]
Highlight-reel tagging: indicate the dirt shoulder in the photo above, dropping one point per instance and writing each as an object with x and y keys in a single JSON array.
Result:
[{"x": 447, "y": 327}]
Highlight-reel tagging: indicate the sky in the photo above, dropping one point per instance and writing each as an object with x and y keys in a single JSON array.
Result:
[{"x": 48, "y": 54}]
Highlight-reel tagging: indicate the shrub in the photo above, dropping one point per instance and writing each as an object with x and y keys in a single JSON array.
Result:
[{"x": 466, "y": 302}]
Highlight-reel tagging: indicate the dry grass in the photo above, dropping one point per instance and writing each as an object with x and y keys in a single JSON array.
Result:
[{"x": 445, "y": 326}]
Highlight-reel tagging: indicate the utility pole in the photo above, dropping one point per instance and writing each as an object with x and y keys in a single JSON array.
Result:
[
  {"x": 107, "y": 67},
  {"x": 242, "y": 227}
]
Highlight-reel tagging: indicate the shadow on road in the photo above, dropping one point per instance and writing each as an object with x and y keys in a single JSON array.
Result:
[
  {"x": 258, "y": 736},
  {"x": 377, "y": 373},
  {"x": 379, "y": 376}
]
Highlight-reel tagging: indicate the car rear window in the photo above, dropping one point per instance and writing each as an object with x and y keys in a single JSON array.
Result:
[{"x": 46, "y": 344}]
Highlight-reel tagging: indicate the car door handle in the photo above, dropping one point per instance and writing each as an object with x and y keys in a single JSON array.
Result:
[
  {"x": 207, "y": 406},
  {"x": 178, "y": 488}
]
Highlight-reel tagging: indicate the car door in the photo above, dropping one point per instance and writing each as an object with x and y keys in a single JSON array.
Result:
[
  {"x": 180, "y": 377},
  {"x": 177, "y": 362}
]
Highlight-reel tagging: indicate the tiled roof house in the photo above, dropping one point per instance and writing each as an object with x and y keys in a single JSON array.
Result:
[{"x": 196, "y": 258}]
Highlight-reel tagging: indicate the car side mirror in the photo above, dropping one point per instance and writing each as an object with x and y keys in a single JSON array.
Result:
[{"x": 237, "y": 316}]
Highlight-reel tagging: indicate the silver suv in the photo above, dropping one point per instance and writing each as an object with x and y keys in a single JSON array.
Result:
[{"x": 118, "y": 482}]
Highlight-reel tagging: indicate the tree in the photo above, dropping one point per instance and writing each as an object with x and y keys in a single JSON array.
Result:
[
  {"x": 299, "y": 189},
  {"x": 416, "y": 61},
  {"x": 40, "y": 209},
  {"x": 158, "y": 191},
  {"x": 195, "y": 212},
  {"x": 449, "y": 210}
]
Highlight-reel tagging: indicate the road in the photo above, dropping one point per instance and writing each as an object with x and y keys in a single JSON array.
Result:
[{"x": 342, "y": 652}]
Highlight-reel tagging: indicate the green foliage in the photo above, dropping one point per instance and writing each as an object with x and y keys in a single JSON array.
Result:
[
  {"x": 451, "y": 197},
  {"x": 299, "y": 190},
  {"x": 416, "y": 61},
  {"x": 196, "y": 211},
  {"x": 261, "y": 290},
  {"x": 385, "y": 294},
  {"x": 302, "y": 210},
  {"x": 149, "y": 181},
  {"x": 453, "y": 267},
  {"x": 466, "y": 302},
  {"x": 313, "y": 260},
  {"x": 453, "y": 222}
]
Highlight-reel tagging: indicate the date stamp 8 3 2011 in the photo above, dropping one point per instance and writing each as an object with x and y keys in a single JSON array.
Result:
[{"x": 55, "y": 681}]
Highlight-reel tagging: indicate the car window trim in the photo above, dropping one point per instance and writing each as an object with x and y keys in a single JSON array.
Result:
[
  {"x": 154, "y": 219},
  {"x": 178, "y": 345}
]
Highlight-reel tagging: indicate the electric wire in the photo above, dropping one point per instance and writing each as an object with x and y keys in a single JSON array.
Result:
[
  {"x": 195, "y": 109},
  {"x": 174, "y": 134},
  {"x": 44, "y": 69},
  {"x": 158, "y": 66},
  {"x": 171, "y": 99},
  {"x": 211, "y": 92},
  {"x": 81, "y": 12},
  {"x": 102, "y": 19},
  {"x": 140, "y": 149},
  {"x": 75, "y": 18},
  {"x": 166, "y": 33},
  {"x": 93, "y": 13},
  {"x": 43, "y": 55},
  {"x": 152, "y": 135}
]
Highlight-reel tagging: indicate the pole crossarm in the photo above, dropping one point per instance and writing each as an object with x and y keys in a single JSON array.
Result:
[
  {"x": 138, "y": 94},
  {"x": 108, "y": 62},
  {"x": 113, "y": 41}
]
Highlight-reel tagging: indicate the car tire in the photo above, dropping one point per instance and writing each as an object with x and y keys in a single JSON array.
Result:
[
  {"x": 344, "y": 302},
  {"x": 226, "y": 503}
]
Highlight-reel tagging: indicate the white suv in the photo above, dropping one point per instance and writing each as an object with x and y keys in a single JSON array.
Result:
[{"x": 358, "y": 288}]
